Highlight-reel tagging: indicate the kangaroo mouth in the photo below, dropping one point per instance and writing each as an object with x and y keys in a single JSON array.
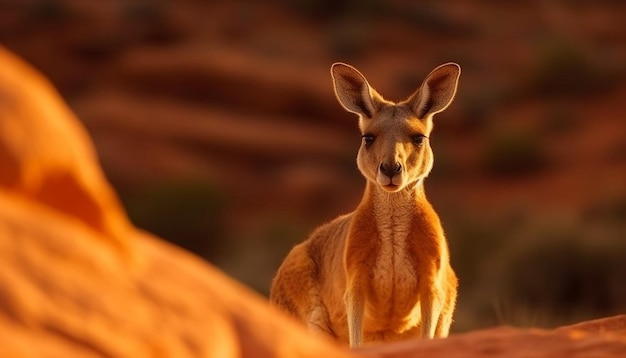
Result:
[{"x": 389, "y": 184}]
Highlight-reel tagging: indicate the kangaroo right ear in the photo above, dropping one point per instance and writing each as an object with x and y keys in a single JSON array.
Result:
[
  {"x": 353, "y": 92},
  {"x": 437, "y": 90}
]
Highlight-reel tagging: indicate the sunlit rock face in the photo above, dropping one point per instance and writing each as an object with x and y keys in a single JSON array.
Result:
[{"x": 78, "y": 280}]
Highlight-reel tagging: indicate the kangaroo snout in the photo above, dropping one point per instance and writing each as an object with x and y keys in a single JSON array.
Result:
[
  {"x": 390, "y": 169},
  {"x": 390, "y": 175}
]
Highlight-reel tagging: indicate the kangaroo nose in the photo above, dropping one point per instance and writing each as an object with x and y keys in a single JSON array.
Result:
[{"x": 389, "y": 169}]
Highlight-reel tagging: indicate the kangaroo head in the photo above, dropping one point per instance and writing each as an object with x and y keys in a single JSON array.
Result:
[{"x": 395, "y": 152}]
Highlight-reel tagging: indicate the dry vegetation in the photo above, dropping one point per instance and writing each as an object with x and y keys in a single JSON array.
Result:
[{"x": 216, "y": 122}]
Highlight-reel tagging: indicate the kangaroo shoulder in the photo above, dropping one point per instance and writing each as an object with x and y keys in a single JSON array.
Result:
[
  {"x": 331, "y": 230},
  {"x": 328, "y": 238}
]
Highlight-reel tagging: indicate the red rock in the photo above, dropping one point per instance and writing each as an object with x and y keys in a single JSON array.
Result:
[
  {"x": 511, "y": 343},
  {"x": 76, "y": 279},
  {"x": 611, "y": 325},
  {"x": 47, "y": 156}
]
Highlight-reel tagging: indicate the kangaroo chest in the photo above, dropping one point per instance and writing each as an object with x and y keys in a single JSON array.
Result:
[
  {"x": 394, "y": 279},
  {"x": 393, "y": 247}
]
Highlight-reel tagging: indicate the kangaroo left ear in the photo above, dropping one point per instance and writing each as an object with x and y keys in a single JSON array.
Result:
[
  {"x": 437, "y": 91},
  {"x": 353, "y": 92}
]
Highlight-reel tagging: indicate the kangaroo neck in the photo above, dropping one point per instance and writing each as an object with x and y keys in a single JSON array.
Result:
[
  {"x": 410, "y": 198},
  {"x": 393, "y": 213}
]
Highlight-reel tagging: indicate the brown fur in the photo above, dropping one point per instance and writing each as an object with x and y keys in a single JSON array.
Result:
[{"x": 382, "y": 272}]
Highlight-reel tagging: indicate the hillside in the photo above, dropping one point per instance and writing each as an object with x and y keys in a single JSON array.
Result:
[
  {"x": 216, "y": 123},
  {"x": 77, "y": 279}
]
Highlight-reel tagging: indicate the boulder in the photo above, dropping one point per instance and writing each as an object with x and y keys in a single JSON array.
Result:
[{"x": 77, "y": 279}]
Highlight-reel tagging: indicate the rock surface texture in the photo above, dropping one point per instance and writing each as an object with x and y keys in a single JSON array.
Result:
[{"x": 78, "y": 280}]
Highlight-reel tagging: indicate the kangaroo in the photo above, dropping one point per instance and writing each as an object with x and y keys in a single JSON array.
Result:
[{"x": 382, "y": 272}]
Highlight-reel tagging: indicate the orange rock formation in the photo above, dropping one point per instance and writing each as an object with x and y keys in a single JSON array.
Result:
[{"x": 76, "y": 279}]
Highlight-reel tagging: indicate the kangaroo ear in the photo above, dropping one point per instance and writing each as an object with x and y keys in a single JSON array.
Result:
[
  {"x": 353, "y": 92},
  {"x": 437, "y": 91}
]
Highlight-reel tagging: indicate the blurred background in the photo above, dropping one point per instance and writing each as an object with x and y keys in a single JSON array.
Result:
[{"x": 217, "y": 124}]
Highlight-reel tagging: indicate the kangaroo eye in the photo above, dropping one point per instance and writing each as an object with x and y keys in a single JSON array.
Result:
[
  {"x": 418, "y": 139},
  {"x": 368, "y": 139}
]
